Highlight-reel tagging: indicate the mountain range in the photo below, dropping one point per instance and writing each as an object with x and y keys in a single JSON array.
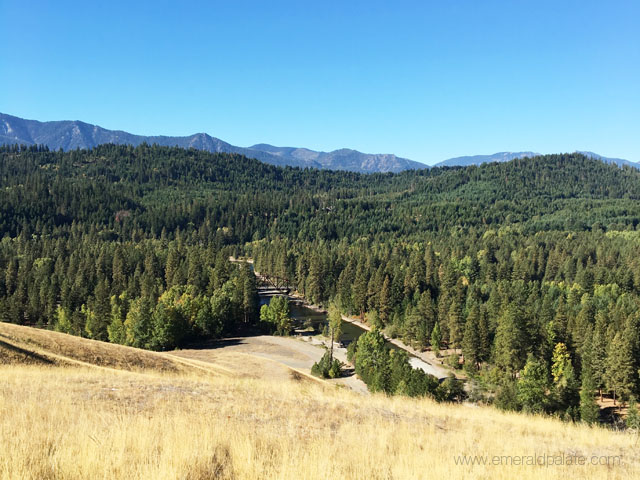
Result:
[{"x": 72, "y": 134}]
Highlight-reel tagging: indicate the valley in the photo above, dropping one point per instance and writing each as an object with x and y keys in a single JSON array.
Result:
[{"x": 517, "y": 278}]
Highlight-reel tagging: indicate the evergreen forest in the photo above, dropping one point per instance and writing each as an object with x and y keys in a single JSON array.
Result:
[{"x": 526, "y": 274}]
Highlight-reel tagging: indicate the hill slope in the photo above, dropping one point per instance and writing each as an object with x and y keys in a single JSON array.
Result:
[
  {"x": 69, "y": 135},
  {"x": 79, "y": 422},
  {"x": 20, "y": 344}
]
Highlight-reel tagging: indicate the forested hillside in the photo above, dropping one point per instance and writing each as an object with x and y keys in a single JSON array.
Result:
[{"x": 530, "y": 268}]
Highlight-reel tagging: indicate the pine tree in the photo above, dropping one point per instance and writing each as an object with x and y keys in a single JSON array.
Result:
[
  {"x": 560, "y": 321},
  {"x": 589, "y": 409},
  {"x": 118, "y": 272},
  {"x": 359, "y": 290},
  {"x": 598, "y": 354},
  {"x": 116, "y": 329},
  {"x": 484, "y": 351},
  {"x": 171, "y": 269},
  {"x": 195, "y": 274},
  {"x": 98, "y": 316},
  {"x": 427, "y": 313},
  {"x": 533, "y": 385},
  {"x": 619, "y": 370},
  {"x": 315, "y": 279},
  {"x": 455, "y": 322},
  {"x": 385, "y": 302},
  {"x": 335, "y": 325},
  {"x": 436, "y": 339},
  {"x": 249, "y": 295},
  {"x": 509, "y": 341},
  {"x": 471, "y": 342}
]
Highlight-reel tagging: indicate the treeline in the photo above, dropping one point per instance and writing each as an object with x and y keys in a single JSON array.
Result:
[
  {"x": 231, "y": 199},
  {"x": 153, "y": 294}
]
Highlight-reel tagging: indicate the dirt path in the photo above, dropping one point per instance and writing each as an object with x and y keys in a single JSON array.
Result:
[{"x": 242, "y": 355}]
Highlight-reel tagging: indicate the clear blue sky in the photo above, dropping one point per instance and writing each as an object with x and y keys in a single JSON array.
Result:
[{"x": 427, "y": 80}]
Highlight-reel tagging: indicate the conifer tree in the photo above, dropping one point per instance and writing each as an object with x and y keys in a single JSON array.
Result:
[
  {"x": 455, "y": 322},
  {"x": 509, "y": 341},
  {"x": 533, "y": 385},
  {"x": 598, "y": 353},
  {"x": 335, "y": 325},
  {"x": 589, "y": 409},
  {"x": 619, "y": 379},
  {"x": 385, "y": 302},
  {"x": 471, "y": 342},
  {"x": 436, "y": 339}
]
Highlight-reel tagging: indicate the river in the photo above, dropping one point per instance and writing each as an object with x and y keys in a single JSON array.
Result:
[
  {"x": 305, "y": 317},
  {"x": 308, "y": 317}
]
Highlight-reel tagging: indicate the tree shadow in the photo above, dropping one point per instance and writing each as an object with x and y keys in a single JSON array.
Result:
[
  {"x": 214, "y": 344},
  {"x": 610, "y": 415},
  {"x": 29, "y": 356}
]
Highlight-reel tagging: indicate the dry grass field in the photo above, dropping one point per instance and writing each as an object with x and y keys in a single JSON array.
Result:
[{"x": 76, "y": 409}]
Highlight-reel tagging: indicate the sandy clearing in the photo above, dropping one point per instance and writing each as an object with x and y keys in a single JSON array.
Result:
[{"x": 242, "y": 355}]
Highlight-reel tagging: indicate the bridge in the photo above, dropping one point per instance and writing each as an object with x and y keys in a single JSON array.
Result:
[{"x": 272, "y": 284}]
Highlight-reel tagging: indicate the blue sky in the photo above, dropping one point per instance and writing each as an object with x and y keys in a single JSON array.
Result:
[{"x": 426, "y": 80}]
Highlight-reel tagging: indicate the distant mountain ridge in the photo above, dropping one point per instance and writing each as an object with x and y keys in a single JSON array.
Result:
[
  {"x": 617, "y": 161},
  {"x": 72, "y": 134},
  {"x": 480, "y": 159},
  {"x": 343, "y": 159},
  {"x": 508, "y": 156}
]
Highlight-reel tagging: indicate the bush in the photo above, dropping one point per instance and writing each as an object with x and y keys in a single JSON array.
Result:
[
  {"x": 450, "y": 390},
  {"x": 327, "y": 368},
  {"x": 453, "y": 361},
  {"x": 507, "y": 396},
  {"x": 392, "y": 330}
]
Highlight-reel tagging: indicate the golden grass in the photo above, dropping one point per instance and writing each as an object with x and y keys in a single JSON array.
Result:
[
  {"x": 68, "y": 349},
  {"x": 79, "y": 422}
]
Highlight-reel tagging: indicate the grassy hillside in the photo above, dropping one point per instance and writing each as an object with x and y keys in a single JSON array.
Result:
[{"x": 103, "y": 411}]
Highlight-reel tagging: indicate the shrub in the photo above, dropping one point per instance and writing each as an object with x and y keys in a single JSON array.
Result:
[{"x": 326, "y": 367}]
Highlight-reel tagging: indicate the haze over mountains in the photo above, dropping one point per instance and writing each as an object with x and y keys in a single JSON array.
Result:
[{"x": 72, "y": 134}]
